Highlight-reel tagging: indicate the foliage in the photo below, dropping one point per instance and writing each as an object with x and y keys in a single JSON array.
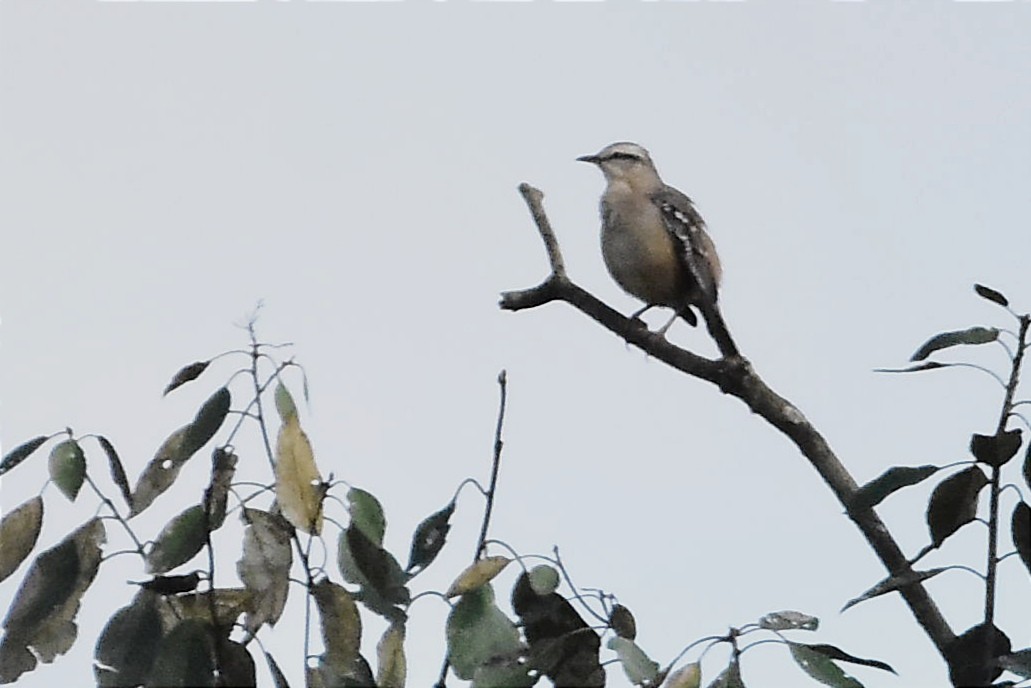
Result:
[{"x": 180, "y": 628}]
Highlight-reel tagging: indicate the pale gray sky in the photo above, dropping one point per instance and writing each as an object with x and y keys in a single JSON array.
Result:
[{"x": 165, "y": 166}]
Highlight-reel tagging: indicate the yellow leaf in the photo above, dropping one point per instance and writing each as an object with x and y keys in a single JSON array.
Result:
[
  {"x": 477, "y": 575},
  {"x": 687, "y": 676},
  {"x": 299, "y": 489},
  {"x": 391, "y": 666},
  {"x": 19, "y": 531}
]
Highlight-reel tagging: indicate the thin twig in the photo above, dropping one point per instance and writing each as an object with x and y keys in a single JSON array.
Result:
[{"x": 481, "y": 542}]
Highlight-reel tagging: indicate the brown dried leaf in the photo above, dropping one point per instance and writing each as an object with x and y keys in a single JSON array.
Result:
[{"x": 265, "y": 566}]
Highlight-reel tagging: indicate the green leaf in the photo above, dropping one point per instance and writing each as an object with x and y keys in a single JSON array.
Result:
[
  {"x": 68, "y": 468},
  {"x": 171, "y": 585},
  {"x": 729, "y": 677},
  {"x": 893, "y": 583},
  {"x": 638, "y": 666},
  {"x": 285, "y": 406},
  {"x": 991, "y": 295},
  {"x": 953, "y": 503},
  {"x": 477, "y": 631},
  {"x": 44, "y": 608},
  {"x": 179, "y": 541},
  {"x": 973, "y": 335},
  {"x": 835, "y": 653},
  {"x": 186, "y": 657},
  {"x": 366, "y": 514},
  {"x": 895, "y": 478},
  {"x": 821, "y": 668},
  {"x": 19, "y": 531},
  {"x": 1021, "y": 531},
  {"x": 380, "y": 575},
  {"x": 236, "y": 665},
  {"x": 965, "y": 659},
  {"x": 996, "y": 450},
  {"x": 20, "y": 453},
  {"x": 544, "y": 579},
  {"x": 178, "y": 448},
  {"x": 265, "y": 565},
  {"x": 117, "y": 469},
  {"x": 186, "y": 374},
  {"x": 1027, "y": 465},
  {"x": 128, "y": 645},
  {"x": 429, "y": 538}
]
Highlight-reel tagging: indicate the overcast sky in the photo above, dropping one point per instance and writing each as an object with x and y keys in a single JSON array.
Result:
[{"x": 353, "y": 166}]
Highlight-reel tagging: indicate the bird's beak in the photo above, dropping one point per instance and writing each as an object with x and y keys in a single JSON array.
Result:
[{"x": 589, "y": 158}]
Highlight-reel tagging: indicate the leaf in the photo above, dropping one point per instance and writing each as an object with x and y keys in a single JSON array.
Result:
[
  {"x": 477, "y": 575},
  {"x": 186, "y": 657},
  {"x": 622, "y": 622},
  {"x": 19, "y": 531},
  {"x": 179, "y": 541},
  {"x": 965, "y": 658},
  {"x": 1021, "y": 531},
  {"x": 562, "y": 646},
  {"x": 223, "y": 466},
  {"x": 264, "y": 567},
  {"x": 278, "y": 679},
  {"x": 638, "y": 667},
  {"x": 893, "y": 583},
  {"x": 895, "y": 478},
  {"x": 219, "y": 608},
  {"x": 477, "y": 631},
  {"x": 1027, "y": 465},
  {"x": 687, "y": 676},
  {"x": 996, "y": 450},
  {"x": 375, "y": 569},
  {"x": 341, "y": 625},
  {"x": 544, "y": 579},
  {"x": 285, "y": 405},
  {"x": 391, "y": 665},
  {"x": 117, "y": 469},
  {"x": 367, "y": 514},
  {"x": 821, "y": 668},
  {"x": 20, "y": 453},
  {"x": 128, "y": 645},
  {"x": 953, "y": 503},
  {"x": 504, "y": 671},
  {"x": 991, "y": 295},
  {"x": 208, "y": 420},
  {"x": 429, "y": 538},
  {"x": 788, "y": 621},
  {"x": 42, "y": 613},
  {"x": 729, "y": 677},
  {"x": 179, "y": 448},
  {"x": 299, "y": 490},
  {"x": 68, "y": 468},
  {"x": 1018, "y": 662},
  {"x": 187, "y": 373},
  {"x": 235, "y": 665},
  {"x": 929, "y": 365},
  {"x": 972, "y": 335},
  {"x": 171, "y": 585},
  {"x": 835, "y": 653}
]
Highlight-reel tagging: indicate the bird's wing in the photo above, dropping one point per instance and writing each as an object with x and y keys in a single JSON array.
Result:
[{"x": 687, "y": 227}]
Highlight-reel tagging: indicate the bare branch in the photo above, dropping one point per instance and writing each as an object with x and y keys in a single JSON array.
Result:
[{"x": 734, "y": 375}]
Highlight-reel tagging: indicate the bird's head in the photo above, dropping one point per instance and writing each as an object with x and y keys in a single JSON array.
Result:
[{"x": 624, "y": 162}]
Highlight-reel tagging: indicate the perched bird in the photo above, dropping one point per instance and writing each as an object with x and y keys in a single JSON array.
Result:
[{"x": 653, "y": 240}]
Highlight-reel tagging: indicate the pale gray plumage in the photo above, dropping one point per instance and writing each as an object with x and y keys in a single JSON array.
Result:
[{"x": 653, "y": 240}]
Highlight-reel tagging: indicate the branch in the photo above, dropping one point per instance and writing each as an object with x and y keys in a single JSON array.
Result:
[{"x": 735, "y": 376}]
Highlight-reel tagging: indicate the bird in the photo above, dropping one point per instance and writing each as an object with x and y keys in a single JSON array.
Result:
[{"x": 653, "y": 240}]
